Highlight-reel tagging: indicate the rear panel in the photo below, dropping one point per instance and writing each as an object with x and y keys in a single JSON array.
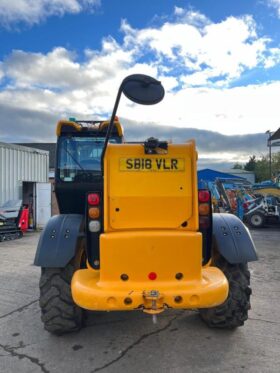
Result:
[
  {"x": 150, "y": 252},
  {"x": 155, "y": 191}
]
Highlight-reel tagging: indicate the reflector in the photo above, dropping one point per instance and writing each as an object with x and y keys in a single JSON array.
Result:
[{"x": 152, "y": 275}]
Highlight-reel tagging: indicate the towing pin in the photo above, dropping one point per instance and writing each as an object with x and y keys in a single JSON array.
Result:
[{"x": 154, "y": 319}]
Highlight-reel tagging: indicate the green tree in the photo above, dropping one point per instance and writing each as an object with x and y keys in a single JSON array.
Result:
[
  {"x": 275, "y": 164},
  {"x": 237, "y": 166},
  {"x": 251, "y": 164},
  {"x": 261, "y": 165},
  {"x": 262, "y": 169}
]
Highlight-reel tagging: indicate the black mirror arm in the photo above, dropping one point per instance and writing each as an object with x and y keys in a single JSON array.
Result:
[
  {"x": 110, "y": 127},
  {"x": 145, "y": 81}
]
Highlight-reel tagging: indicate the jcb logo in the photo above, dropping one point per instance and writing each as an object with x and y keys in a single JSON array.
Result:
[{"x": 152, "y": 164}]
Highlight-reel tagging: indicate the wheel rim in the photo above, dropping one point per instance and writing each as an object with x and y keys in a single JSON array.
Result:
[{"x": 256, "y": 220}]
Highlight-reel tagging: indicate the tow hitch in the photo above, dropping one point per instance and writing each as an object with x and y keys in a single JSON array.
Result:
[{"x": 153, "y": 303}]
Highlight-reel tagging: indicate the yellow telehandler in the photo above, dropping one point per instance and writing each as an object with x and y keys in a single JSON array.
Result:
[{"x": 134, "y": 231}]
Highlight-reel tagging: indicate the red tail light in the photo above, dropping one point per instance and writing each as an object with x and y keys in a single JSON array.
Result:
[
  {"x": 93, "y": 199},
  {"x": 203, "y": 196}
]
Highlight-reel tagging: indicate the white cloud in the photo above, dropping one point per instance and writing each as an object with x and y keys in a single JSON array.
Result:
[
  {"x": 206, "y": 49},
  {"x": 273, "y": 59},
  {"x": 56, "y": 69},
  {"x": 276, "y": 5},
  {"x": 197, "y": 60},
  {"x": 238, "y": 110},
  {"x": 190, "y": 17},
  {"x": 211, "y": 54},
  {"x": 34, "y": 11}
]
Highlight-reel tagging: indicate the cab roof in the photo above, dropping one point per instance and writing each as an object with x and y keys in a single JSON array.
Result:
[{"x": 98, "y": 128}]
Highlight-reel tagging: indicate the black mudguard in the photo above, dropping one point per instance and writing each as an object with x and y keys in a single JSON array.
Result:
[
  {"x": 59, "y": 240},
  {"x": 232, "y": 239}
]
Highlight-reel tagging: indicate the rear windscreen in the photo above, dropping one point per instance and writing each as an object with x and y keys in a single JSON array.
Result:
[{"x": 80, "y": 155}]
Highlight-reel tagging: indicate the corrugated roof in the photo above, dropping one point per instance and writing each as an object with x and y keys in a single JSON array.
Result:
[
  {"x": 238, "y": 171},
  {"x": 46, "y": 146},
  {"x": 210, "y": 175},
  {"x": 24, "y": 147}
]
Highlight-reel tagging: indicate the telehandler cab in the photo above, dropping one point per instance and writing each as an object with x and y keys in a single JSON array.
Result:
[{"x": 134, "y": 231}]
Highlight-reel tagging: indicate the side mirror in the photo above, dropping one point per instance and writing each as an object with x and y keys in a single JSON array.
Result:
[
  {"x": 138, "y": 88},
  {"x": 142, "y": 89}
]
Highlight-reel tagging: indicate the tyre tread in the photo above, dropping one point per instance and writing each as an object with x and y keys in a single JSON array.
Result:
[
  {"x": 59, "y": 313},
  {"x": 234, "y": 311}
]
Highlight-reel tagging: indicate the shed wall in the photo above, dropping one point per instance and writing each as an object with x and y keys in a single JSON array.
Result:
[
  {"x": 19, "y": 164},
  {"x": 250, "y": 176}
]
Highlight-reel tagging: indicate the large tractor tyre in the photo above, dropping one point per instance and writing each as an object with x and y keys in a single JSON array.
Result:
[
  {"x": 256, "y": 220},
  {"x": 234, "y": 311},
  {"x": 59, "y": 313}
]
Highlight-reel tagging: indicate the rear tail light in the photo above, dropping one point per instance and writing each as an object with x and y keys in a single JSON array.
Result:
[
  {"x": 93, "y": 199},
  {"x": 203, "y": 196},
  {"x": 204, "y": 209},
  {"x": 204, "y": 222},
  {"x": 94, "y": 226},
  {"x": 94, "y": 212}
]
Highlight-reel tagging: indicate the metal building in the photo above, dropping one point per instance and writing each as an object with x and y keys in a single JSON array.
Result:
[
  {"x": 248, "y": 175},
  {"x": 24, "y": 175}
]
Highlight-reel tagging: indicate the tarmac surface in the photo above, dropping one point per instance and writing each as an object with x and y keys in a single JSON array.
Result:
[{"x": 129, "y": 341}]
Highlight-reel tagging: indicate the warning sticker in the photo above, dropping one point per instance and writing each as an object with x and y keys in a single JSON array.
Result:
[{"x": 152, "y": 164}]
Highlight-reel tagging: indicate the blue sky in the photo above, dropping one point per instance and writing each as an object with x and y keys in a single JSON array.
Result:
[
  {"x": 86, "y": 29},
  {"x": 218, "y": 60}
]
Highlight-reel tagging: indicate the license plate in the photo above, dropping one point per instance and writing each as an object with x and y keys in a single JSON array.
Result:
[{"x": 152, "y": 164}]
